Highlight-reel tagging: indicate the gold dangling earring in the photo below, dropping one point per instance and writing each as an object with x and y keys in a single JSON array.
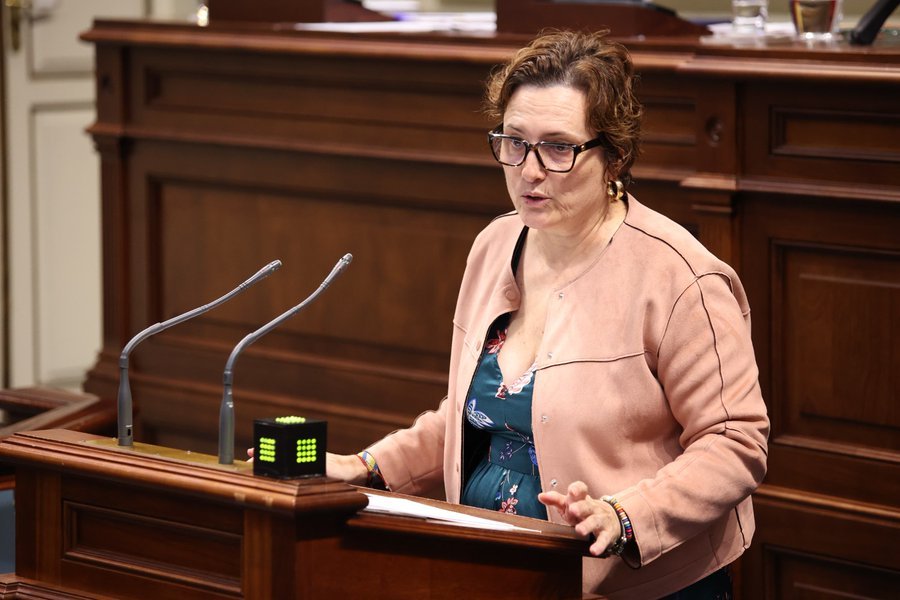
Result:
[{"x": 615, "y": 190}]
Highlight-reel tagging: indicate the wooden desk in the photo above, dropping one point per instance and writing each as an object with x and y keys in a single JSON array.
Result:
[
  {"x": 223, "y": 149},
  {"x": 97, "y": 520}
]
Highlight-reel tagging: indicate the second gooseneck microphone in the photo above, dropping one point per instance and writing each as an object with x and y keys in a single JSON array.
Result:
[
  {"x": 125, "y": 413},
  {"x": 226, "y": 411}
]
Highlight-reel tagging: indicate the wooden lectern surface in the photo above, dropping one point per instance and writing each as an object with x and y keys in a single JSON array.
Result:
[{"x": 95, "y": 518}]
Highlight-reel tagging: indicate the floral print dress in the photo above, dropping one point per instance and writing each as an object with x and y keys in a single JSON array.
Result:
[{"x": 506, "y": 479}]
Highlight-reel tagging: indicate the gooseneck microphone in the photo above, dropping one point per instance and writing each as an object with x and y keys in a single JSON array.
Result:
[
  {"x": 870, "y": 24},
  {"x": 226, "y": 411},
  {"x": 126, "y": 430}
]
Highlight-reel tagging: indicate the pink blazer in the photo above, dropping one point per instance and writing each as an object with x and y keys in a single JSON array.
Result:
[{"x": 646, "y": 389}]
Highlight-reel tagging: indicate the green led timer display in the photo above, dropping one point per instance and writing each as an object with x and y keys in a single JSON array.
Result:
[{"x": 288, "y": 447}]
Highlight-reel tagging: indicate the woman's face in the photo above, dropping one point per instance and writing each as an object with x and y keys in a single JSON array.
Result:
[{"x": 557, "y": 203}]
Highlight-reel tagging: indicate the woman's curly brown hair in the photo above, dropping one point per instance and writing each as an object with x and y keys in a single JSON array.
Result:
[{"x": 600, "y": 68}]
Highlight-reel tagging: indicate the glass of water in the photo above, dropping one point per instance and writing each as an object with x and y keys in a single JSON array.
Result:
[{"x": 749, "y": 16}]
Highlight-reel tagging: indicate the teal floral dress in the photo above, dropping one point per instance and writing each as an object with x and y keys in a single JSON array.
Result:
[{"x": 506, "y": 478}]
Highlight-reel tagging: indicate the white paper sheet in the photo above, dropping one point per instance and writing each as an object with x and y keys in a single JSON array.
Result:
[
  {"x": 410, "y": 508},
  {"x": 413, "y": 23}
]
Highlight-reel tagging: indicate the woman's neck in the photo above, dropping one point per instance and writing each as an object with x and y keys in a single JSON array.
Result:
[{"x": 564, "y": 252}]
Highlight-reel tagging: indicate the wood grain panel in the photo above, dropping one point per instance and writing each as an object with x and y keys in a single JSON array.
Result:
[
  {"x": 821, "y": 547},
  {"x": 266, "y": 544},
  {"x": 424, "y": 569},
  {"x": 809, "y": 577},
  {"x": 668, "y": 120},
  {"x": 668, "y": 131},
  {"x": 819, "y": 133},
  {"x": 842, "y": 318},
  {"x": 823, "y": 134},
  {"x": 390, "y": 247},
  {"x": 149, "y": 507},
  {"x": 176, "y": 552},
  {"x": 26, "y": 524},
  {"x": 329, "y": 102},
  {"x": 367, "y": 354},
  {"x": 197, "y": 545},
  {"x": 840, "y": 470},
  {"x": 822, "y": 285}
]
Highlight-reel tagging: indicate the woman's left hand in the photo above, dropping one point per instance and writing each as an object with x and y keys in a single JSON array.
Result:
[{"x": 590, "y": 516}]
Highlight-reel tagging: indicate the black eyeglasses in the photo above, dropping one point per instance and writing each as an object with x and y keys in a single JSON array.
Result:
[{"x": 557, "y": 157}]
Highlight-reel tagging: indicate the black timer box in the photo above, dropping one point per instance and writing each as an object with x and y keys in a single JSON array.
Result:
[{"x": 288, "y": 447}]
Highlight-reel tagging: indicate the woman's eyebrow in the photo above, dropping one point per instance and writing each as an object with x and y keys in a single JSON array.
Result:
[{"x": 545, "y": 135}]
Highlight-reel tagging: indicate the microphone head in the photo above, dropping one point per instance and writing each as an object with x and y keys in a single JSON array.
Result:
[
  {"x": 339, "y": 266},
  {"x": 265, "y": 271},
  {"x": 258, "y": 276}
]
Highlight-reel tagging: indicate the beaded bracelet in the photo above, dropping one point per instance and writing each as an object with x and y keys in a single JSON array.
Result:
[
  {"x": 627, "y": 530},
  {"x": 374, "y": 478}
]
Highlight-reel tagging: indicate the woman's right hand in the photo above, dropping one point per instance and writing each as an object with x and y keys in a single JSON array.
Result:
[{"x": 346, "y": 467}]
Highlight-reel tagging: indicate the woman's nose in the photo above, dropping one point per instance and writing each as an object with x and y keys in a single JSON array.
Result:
[{"x": 532, "y": 169}]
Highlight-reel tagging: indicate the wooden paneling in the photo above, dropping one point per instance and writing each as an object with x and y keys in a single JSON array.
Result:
[
  {"x": 825, "y": 291},
  {"x": 810, "y": 133},
  {"x": 365, "y": 105},
  {"x": 809, "y": 546},
  {"x": 95, "y": 540},
  {"x": 841, "y": 323},
  {"x": 822, "y": 133},
  {"x": 669, "y": 132},
  {"x": 825, "y": 303},
  {"x": 814, "y": 578},
  {"x": 237, "y": 211}
]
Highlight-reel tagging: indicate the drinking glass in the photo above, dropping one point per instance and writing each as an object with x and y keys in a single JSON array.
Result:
[
  {"x": 749, "y": 16},
  {"x": 815, "y": 19}
]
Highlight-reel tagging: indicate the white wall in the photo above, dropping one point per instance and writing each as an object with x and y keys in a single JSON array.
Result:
[{"x": 52, "y": 248}]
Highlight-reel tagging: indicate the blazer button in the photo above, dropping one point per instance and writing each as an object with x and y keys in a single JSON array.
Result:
[
  {"x": 561, "y": 295},
  {"x": 549, "y": 355},
  {"x": 544, "y": 418},
  {"x": 553, "y": 482}
]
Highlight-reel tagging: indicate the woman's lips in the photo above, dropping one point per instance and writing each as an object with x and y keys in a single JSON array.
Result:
[{"x": 534, "y": 198}]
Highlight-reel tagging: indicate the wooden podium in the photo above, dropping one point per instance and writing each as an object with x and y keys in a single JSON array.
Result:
[{"x": 94, "y": 520}]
